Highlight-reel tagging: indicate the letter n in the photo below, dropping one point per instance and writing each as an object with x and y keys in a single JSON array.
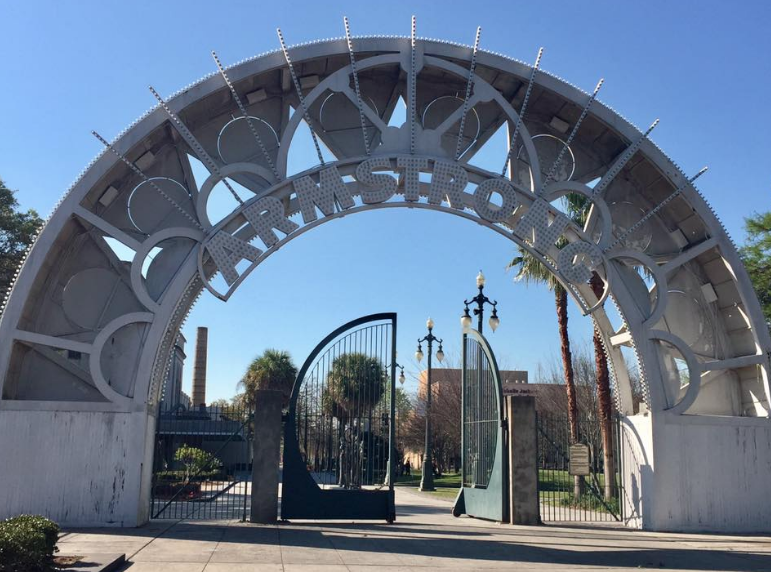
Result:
[{"x": 535, "y": 228}]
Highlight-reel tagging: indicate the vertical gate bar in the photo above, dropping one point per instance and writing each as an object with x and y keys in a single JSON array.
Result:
[
  {"x": 621, "y": 469},
  {"x": 372, "y": 407},
  {"x": 539, "y": 466},
  {"x": 370, "y": 335},
  {"x": 392, "y": 427},
  {"x": 245, "y": 453},
  {"x": 463, "y": 408},
  {"x": 369, "y": 390}
]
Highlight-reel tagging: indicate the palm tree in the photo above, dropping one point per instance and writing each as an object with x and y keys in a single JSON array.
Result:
[
  {"x": 355, "y": 385},
  {"x": 577, "y": 208},
  {"x": 271, "y": 370},
  {"x": 532, "y": 271},
  {"x": 604, "y": 404}
]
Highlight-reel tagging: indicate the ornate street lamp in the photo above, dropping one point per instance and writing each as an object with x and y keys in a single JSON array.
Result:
[
  {"x": 427, "y": 478},
  {"x": 385, "y": 417},
  {"x": 481, "y": 300}
]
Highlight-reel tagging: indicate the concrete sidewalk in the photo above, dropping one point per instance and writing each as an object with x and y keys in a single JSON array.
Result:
[{"x": 424, "y": 537}]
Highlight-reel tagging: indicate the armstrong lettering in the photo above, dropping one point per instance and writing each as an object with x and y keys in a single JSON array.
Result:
[{"x": 539, "y": 226}]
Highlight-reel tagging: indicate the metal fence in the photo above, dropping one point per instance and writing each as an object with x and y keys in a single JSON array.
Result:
[
  {"x": 202, "y": 467},
  {"x": 567, "y": 498},
  {"x": 343, "y": 410}
]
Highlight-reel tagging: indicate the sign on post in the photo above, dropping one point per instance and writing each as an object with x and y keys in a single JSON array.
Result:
[{"x": 579, "y": 460}]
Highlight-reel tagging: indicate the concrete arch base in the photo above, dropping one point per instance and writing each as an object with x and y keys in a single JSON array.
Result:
[
  {"x": 697, "y": 473},
  {"x": 79, "y": 468}
]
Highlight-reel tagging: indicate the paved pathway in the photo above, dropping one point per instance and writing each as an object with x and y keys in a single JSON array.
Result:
[{"x": 424, "y": 537}]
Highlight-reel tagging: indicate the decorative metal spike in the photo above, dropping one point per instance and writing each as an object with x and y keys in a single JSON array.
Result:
[
  {"x": 413, "y": 86},
  {"x": 246, "y": 116},
  {"x": 146, "y": 179},
  {"x": 469, "y": 85},
  {"x": 359, "y": 102},
  {"x": 297, "y": 88},
  {"x": 193, "y": 142},
  {"x": 561, "y": 154},
  {"x": 653, "y": 211},
  {"x": 615, "y": 169},
  {"x": 513, "y": 142}
]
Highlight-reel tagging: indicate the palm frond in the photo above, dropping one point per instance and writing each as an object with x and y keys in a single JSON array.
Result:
[{"x": 531, "y": 270}]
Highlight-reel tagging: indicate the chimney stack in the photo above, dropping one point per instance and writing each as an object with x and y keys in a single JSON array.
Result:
[{"x": 199, "y": 367}]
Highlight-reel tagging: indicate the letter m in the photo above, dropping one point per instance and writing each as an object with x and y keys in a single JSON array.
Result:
[{"x": 330, "y": 192}]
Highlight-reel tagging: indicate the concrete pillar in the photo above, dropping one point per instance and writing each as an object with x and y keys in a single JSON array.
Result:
[
  {"x": 198, "y": 395},
  {"x": 523, "y": 460},
  {"x": 266, "y": 447}
]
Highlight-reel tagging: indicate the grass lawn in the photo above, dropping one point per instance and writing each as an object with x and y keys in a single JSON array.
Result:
[
  {"x": 446, "y": 486},
  {"x": 556, "y": 488}
]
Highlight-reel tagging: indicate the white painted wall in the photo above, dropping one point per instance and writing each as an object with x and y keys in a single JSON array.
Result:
[
  {"x": 710, "y": 474},
  {"x": 636, "y": 467},
  {"x": 706, "y": 474},
  {"x": 77, "y": 468}
]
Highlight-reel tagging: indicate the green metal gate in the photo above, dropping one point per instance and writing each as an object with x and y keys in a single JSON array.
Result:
[
  {"x": 339, "y": 433},
  {"x": 484, "y": 462}
]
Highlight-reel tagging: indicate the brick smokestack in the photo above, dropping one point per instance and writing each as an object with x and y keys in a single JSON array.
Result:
[{"x": 199, "y": 367}]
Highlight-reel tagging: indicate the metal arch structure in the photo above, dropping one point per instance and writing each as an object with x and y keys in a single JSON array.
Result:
[{"x": 88, "y": 327}]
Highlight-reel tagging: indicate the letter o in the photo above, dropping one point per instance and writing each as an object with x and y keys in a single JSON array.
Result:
[{"x": 492, "y": 212}]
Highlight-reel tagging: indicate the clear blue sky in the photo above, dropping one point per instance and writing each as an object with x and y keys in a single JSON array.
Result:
[{"x": 703, "y": 67}]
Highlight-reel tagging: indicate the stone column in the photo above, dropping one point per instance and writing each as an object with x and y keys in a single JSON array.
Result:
[
  {"x": 266, "y": 448},
  {"x": 523, "y": 460}
]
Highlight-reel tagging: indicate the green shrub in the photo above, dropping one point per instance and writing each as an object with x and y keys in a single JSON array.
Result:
[
  {"x": 171, "y": 476},
  {"x": 196, "y": 461},
  {"x": 27, "y": 544}
]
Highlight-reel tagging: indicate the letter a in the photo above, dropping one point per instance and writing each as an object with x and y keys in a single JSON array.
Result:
[{"x": 227, "y": 251}]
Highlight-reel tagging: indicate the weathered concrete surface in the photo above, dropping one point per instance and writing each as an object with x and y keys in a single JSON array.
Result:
[
  {"x": 696, "y": 473},
  {"x": 50, "y": 466},
  {"x": 97, "y": 562},
  {"x": 267, "y": 451},
  {"x": 424, "y": 537},
  {"x": 523, "y": 457},
  {"x": 710, "y": 474}
]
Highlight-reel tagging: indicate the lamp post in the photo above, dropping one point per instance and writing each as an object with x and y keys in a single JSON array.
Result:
[
  {"x": 465, "y": 321},
  {"x": 392, "y": 470},
  {"x": 427, "y": 478},
  {"x": 481, "y": 300}
]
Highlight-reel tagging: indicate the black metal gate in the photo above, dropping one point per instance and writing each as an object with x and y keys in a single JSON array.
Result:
[
  {"x": 339, "y": 434},
  {"x": 484, "y": 473},
  {"x": 202, "y": 464},
  {"x": 563, "y": 497}
]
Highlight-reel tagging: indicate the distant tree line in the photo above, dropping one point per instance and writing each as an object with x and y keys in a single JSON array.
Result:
[{"x": 17, "y": 232}]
